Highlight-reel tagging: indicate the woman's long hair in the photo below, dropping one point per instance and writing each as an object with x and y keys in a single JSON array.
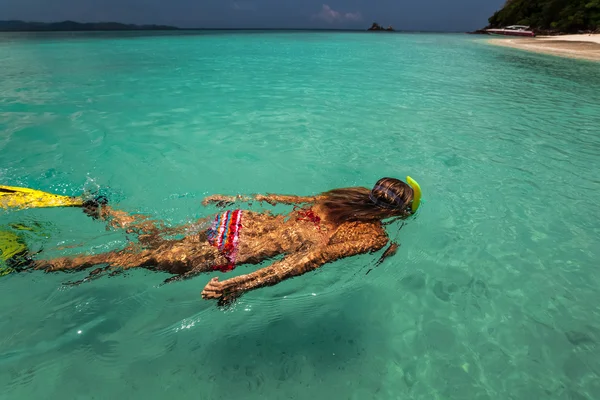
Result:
[{"x": 389, "y": 198}]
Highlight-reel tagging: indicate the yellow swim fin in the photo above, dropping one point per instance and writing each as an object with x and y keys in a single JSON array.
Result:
[
  {"x": 11, "y": 246},
  {"x": 17, "y": 197}
]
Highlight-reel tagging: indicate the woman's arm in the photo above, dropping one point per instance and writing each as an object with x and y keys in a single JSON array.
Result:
[
  {"x": 272, "y": 199},
  {"x": 285, "y": 199},
  {"x": 290, "y": 266}
]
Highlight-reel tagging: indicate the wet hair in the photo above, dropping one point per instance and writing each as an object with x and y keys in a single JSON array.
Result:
[{"x": 389, "y": 198}]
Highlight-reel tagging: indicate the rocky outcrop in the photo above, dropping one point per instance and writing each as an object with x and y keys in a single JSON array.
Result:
[{"x": 377, "y": 27}]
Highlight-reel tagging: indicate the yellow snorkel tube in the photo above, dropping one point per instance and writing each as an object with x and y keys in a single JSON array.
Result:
[
  {"x": 18, "y": 197},
  {"x": 416, "y": 193}
]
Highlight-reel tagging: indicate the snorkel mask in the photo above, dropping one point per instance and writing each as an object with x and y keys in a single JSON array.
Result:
[{"x": 416, "y": 193}]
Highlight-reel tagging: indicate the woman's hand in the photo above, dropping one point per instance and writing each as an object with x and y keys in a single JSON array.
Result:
[
  {"x": 213, "y": 289},
  {"x": 220, "y": 200},
  {"x": 224, "y": 291}
]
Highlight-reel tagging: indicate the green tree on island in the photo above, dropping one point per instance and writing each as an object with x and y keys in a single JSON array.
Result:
[{"x": 568, "y": 16}]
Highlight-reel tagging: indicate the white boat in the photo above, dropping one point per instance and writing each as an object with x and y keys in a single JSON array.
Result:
[{"x": 512, "y": 30}]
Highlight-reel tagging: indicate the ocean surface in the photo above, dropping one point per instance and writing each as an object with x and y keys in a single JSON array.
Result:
[{"x": 494, "y": 293}]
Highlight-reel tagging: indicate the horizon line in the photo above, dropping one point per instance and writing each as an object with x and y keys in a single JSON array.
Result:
[
  {"x": 240, "y": 29},
  {"x": 178, "y": 28}
]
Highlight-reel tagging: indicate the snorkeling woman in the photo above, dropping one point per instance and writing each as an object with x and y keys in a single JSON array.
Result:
[{"x": 320, "y": 229}]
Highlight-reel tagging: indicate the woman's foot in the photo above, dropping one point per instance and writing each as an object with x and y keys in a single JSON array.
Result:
[{"x": 92, "y": 207}]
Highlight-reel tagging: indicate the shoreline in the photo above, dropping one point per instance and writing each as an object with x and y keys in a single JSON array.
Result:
[{"x": 583, "y": 47}]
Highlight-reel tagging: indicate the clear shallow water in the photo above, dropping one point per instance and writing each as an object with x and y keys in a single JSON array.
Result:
[{"x": 493, "y": 294}]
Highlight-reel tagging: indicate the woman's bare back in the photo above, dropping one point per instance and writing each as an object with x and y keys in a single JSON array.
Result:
[{"x": 264, "y": 236}]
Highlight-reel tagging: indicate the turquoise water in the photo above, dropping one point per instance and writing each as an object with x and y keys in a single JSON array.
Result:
[{"x": 493, "y": 294}]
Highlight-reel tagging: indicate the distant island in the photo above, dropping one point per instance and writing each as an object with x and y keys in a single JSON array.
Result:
[
  {"x": 22, "y": 26},
  {"x": 550, "y": 16},
  {"x": 377, "y": 27}
]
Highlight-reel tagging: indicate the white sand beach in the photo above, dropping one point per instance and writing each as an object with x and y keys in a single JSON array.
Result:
[{"x": 583, "y": 46}]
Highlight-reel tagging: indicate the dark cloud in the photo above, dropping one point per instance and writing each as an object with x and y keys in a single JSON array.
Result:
[{"x": 441, "y": 15}]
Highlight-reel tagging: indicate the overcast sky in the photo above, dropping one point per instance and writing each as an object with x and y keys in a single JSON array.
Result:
[{"x": 444, "y": 15}]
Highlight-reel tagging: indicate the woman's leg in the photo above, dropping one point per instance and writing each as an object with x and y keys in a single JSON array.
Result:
[
  {"x": 124, "y": 259},
  {"x": 181, "y": 257}
]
